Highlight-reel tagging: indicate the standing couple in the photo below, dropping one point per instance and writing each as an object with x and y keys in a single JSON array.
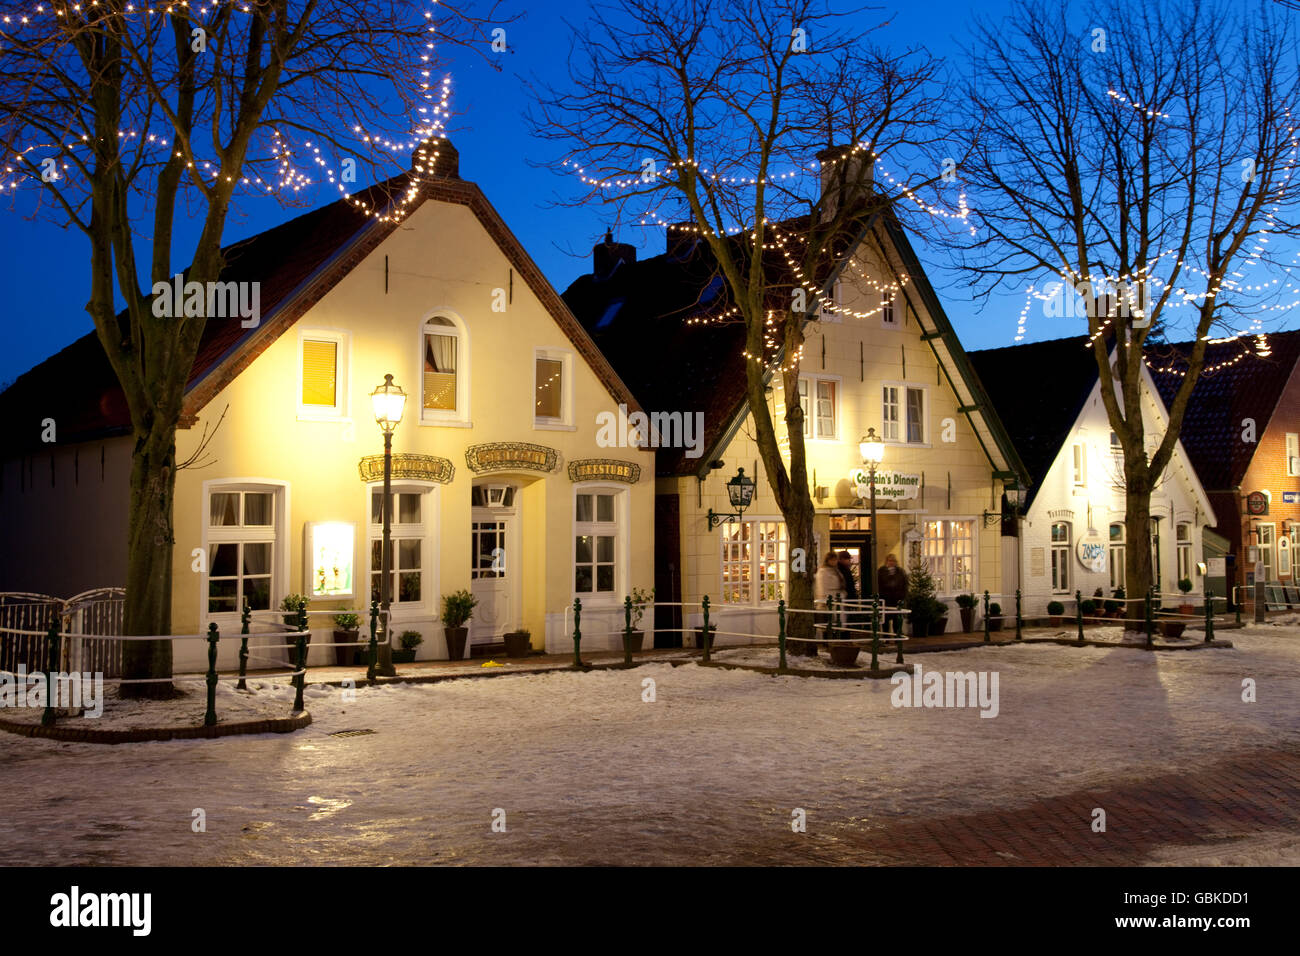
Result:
[{"x": 835, "y": 577}]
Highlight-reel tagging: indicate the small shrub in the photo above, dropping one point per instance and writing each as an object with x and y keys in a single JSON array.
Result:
[
  {"x": 410, "y": 640},
  {"x": 640, "y": 599},
  {"x": 966, "y": 600},
  {"x": 1055, "y": 608},
  {"x": 458, "y": 608},
  {"x": 347, "y": 622},
  {"x": 1097, "y": 593},
  {"x": 1088, "y": 607},
  {"x": 1185, "y": 585},
  {"x": 995, "y": 609}
]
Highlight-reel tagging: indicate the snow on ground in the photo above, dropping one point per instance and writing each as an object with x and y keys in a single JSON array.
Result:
[
  {"x": 587, "y": 771},
  {"x": 187, "y": 710}
]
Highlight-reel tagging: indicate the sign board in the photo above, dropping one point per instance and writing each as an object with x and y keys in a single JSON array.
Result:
[
  {"x": 1257, "y": 503},
  {"x": 330, "y": 549},
  {"x": 1291, "y": 497},
  {"x": 1091, "y": 551},
  {"x": 889, "y": 484},
  {"x": 1216, "y": 567}
]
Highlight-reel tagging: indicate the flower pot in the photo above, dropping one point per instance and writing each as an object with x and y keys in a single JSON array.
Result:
[
  {"x": 518, "y": 643},
  {"x": 699, "y": 636},
  {"x": 967, "y": 619},
  {"x": 291, "y": 652},
  {"x": 456, "y": 638},
  {"x": 344, "y": 651},
  {"x": 995, "y": 624},
  {"x": 634, "y": 641},
  {"x": 1188, "y": 609},
  {"x": 403, "y": 657},
  {"x": 940, "y": 626},
  {"x": 1172, "y": 628},
  {"x": 1055, "y": 620},
  {"x": 844, "y": 655},
  {"x": 920, "y": 627}
]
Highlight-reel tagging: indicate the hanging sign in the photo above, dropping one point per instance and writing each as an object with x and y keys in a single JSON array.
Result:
[
  {"x": 1091, "y": 551},
  {"x": 1257, "y": 503},
  {"x": 889, "y": 484}
]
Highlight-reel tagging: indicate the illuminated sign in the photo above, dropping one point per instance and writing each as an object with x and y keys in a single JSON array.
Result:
[
  {"x": 889, "y": 484},
  {"x": 1091, "y": 551},
  {"x": 604, "y": 469},
  {"x": 329, "y": 548},
  {"x": 512, "y": 455}
]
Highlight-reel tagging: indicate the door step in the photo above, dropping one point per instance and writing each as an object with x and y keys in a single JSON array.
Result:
[{"x": 495, "y": 649}]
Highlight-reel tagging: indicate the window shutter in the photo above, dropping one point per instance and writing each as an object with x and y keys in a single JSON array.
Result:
[{"x": 319, "y": 372}]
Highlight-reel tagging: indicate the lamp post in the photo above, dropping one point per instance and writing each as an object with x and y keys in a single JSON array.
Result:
[
  {"x": 388, "y": 401},
  {"x": 872, "y": 450}
]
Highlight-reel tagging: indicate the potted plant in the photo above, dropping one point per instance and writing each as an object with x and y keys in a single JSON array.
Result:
[
  {"x": 1112, "y": 608},
  {"x": 1118, "y": 595},
  {"x": 966, "y": 605},
  {"x": 518, "y": 643},
  {"x": 457, "y": 609},
  {"x": 1185, "y": 585},
  {"x": 290, "y": 606},
  {"x": 409, "y": 640},
  {"x": 1056, "y": 613},
  {"x": 1088, "y": 606},
  {"x": 940, "y": 624},
  {"x": 923, "y": 607},
  {"x": 995, "y": 616},
  {"x": 842, "y": 655},
  {"x": 699, "y": 635},
  {"x": 346, "y": 629},
  {"x": 640, "y": 600}
]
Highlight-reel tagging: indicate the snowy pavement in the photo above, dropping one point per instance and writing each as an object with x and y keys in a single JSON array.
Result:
[{"x": 585, "y": 770}]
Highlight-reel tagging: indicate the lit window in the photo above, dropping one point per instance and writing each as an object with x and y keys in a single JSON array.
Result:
[
  {"x": 1292, "y": 454},
  {"x": 753, "y": 561},
  {"x": 949, "y": 548},
  {"x": 241, "y": 549},
  {"x": 903, "y": 422},
  {"x": 889, "y": 413},
  {"x": 1080, "y": 469},
  {"x": 551, "y": 388},
  {"x": 1283, "y": 557},
  {"x": 1267, "y": 539},
  {"x": 322, "y": 380},
  {"x": 441, "y": 345},
  {"x": 595, "y": 549},
  {"x": 1061, "y": 557},
  {"x": 820, "y": 420}
]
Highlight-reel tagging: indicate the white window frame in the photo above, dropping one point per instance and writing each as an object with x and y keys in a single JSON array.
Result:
[
  {"x": 889, "y": 310},
  {"x": 1284, "y": 557},
  {"x": 427, "y": 530},
  {"x": 1079, "y": 464},
  {"x": 1266, "y": 551},
  {"x": 811, "y": 432},
  {"x": 1292, "y": 454},
  {"x": 1118, "y": 554},
  {"x": 565, "y": 421},
  {"x": 1183, "y": 550},
  {"x": 833, "y": 314},
  {"x": 945, "y": 570},
  {"x": 341, "y": 410},
  {"x": 756, "y": 577},
  {"x": 622, "y": 551},
  {"x": 1065, "y": 550},
  {"x": 223, "y": 535},
  {"x": 1117, "y": 460},
  {"x": 458, "y": 417},
  {"x": 901, "y": 421}
]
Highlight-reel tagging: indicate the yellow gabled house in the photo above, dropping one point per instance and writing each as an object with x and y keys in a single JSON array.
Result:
[{"x": 501, "y": 486}]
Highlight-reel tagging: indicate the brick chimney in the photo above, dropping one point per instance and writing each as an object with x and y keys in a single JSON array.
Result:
[
  {"x": 436, "y": 157},
  {"x": 606, "y": 256},
  {"x": 845, "y": 174}
]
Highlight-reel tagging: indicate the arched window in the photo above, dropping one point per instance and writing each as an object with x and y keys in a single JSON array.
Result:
[
  {"x": 1061, "y": 557},
  {"x": 444, "y": 371}
]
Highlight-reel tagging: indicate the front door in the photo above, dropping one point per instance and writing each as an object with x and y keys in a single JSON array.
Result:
[{"x": 494, "y": 571}]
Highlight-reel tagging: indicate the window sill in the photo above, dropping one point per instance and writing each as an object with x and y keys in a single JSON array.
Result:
[
  {"x": 332, "y": 418},
  {"x": 908, "y": 444},
  {"x": 447, "y": 423},
  {"x": 554, "y": 427}
]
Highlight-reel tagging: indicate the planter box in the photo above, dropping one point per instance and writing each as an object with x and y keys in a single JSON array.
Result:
[
  {"x": 995, "y": 623},
  {"x": 518, "y": 643},
  {"x": 456, "y": 638},
  {"x": 291, "y": 652},
  {"x": 343, "y": 651},
  {"x": 1172, "y": 628},
  {"x": 844, "y": 655},
  {"x": 699, "y": 636},
  {"x": 403, "y": 657},
  {"x": 967, "y": 619},
  {"x": 635, "y": 641}
]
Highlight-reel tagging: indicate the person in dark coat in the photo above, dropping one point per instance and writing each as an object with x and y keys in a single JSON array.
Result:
[
  {"x": 891, "y": 585},
  {"x": 845, "y": 565}
]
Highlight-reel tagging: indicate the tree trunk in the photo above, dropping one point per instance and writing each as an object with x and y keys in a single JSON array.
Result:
[
  {"x": 1137, "y": 522},
  {"x": 798, "y": 516},
  {"x": 149, "y": 562}
]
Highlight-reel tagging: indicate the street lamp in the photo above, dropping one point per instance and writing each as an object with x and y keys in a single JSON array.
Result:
[
  {"x": 740, "y": 492},
  {"x": 388, "y": 401},
  {"x": 872, "y": 450}
]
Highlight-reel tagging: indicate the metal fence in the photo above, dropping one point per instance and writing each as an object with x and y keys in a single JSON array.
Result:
[{"x": 97, "y": 612}]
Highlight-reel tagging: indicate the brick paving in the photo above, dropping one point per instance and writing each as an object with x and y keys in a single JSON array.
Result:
[{"x": 1214, "y": 805}]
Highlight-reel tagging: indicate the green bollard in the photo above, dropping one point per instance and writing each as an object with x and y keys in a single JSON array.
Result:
[
  {"x": 830, "y": 622},
  {"x": 1237, "y": 605},
  {"x": 875, "y": 634},
  {"x": 780, "y": 634},
  {"x": 708, "y": 636},
  {"x": 1019, "y": 619},
  {"x": 986, "y": 617},
  {"x": 374, "y": 642},
  {"x": 210, "y": 718},
  {"x": 300, "y": 680},
  {"x": 627, "y": 631},
  {"x": 51, "y": 665},
  {"x": 1209, "y": 615},
  {"x": 1078, "y": 613},
  {"x": 577, "y": 631},
  {"x": 1148, "y": 612},
  {"x": 244, "y": 616},
  {"x": 898, "y": 659}
]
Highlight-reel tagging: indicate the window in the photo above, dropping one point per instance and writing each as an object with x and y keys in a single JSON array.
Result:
[
  {"x": 754, "y": 561},
  {"x": 1117, "y": 568},
  {"x": 888, "y": 318},
  {"x": 949, "y": 549},
  {"x": 407, "y": 584},
  {"x": 242, "y": 526},
  {"x": 1284, "y": 557},
  {"x": 322, "y": 375},
  {"x": 821, "y": 420},
  {"x": 1116, "y": 461},
  {"x": 1080, "y": 466},
  {"x": 596, "y": 544},
  {"x": 1292, "y": 454},
  {"x": 552, "y": 384},
  {"x": 444, "y": 371},
  {"x": 1183, "y": 540},
  {"x": 1267, "y": 539},
  {"x": 905, "y": 422},
  {"x": 487, "y": 546},
  {"x": 1061, "y": 557}
]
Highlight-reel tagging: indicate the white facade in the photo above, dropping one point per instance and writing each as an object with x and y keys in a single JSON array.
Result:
[{"x": 1073, "y": 536}]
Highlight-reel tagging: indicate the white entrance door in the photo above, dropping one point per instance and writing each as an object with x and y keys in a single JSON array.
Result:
[{"x": 494, "y": 572}]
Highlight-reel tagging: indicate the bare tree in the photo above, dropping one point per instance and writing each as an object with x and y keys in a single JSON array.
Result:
[
  {"x": 127, "y": 114},
  {"x": 712, "y": 113},
  {"x": 1141, "y": 155}
]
